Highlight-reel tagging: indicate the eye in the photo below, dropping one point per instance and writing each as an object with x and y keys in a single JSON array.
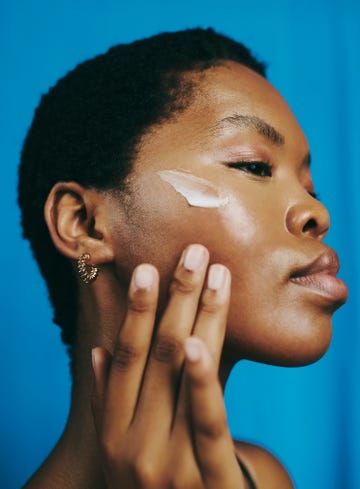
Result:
[{"x": 258, "y": 168}]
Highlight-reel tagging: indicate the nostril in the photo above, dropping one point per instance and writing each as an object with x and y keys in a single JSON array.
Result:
[
  {"x": 307, "y": 220},
  {"x": 310, "y": 225}
]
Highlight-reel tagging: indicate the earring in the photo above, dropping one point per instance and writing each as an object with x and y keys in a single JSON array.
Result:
[{"x": 87, "y": 272}]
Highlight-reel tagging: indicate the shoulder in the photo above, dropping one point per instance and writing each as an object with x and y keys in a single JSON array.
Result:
[{"x": 265, "y": 469}]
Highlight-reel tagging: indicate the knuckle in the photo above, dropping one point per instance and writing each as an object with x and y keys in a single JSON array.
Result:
[
  {"x": 125, "y": 355},
  {"x": 145, "y": 472},
  {"x": 183, "y": 285},
  {"x": 213, "y": 429},
  {"x": 210, "y": 308},
  {"x": 111, "y": 451},
  {"x": 212, "y": 303},
  {"x": 140, "y": 304},
  {"x": 166, "y": 348}
]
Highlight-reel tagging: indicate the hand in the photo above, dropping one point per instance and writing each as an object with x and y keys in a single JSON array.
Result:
[{"x": 158, "y": 404}]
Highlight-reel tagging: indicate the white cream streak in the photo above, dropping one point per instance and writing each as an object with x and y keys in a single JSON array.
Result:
[{"x": 197, "y": 191}]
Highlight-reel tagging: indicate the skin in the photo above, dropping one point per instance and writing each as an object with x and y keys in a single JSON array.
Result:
[{"x": 150, "y": 433}]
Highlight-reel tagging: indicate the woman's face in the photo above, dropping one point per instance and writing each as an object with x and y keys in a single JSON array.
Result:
[{"x": 254, "y": 210}]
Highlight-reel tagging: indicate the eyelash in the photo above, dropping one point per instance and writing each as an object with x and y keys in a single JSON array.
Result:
[
  {"x": 258, "y": 168},
  {"x": 262, "y": 170},
  {"x": 314, "y": 195}
]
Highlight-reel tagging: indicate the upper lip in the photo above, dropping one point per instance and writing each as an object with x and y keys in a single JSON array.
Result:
[{"x": 327, "y": 263}]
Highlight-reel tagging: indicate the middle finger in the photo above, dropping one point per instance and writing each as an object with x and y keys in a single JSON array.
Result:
[{"x": 159, "y": 391}]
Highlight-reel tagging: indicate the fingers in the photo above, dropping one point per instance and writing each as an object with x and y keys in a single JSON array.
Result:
[
  {"x": 166, "y": 359},
  {"x": 208, "y": 413},
  {"x": 211, "y": 434},
  {"x": 210, "y": 324},
  {"x": 136, "y": 393},
  {"x": 131, "y": 350}
]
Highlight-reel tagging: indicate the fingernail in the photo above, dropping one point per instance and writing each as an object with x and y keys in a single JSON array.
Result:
[
  {"x": 216, "y": 277},
  {"x": 192, "y": 349},
  {"x": 194, "y": 258},
  {"x": 143, "y": 277}
]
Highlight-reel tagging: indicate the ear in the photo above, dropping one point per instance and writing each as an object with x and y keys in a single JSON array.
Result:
[{"x": 77, "y": 221}]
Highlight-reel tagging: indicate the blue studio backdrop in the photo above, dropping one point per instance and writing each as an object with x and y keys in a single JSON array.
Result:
[{"x": 310, "y": 416}]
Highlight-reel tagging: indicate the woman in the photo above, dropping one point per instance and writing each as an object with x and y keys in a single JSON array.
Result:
[{"x": 166, "y": 170}]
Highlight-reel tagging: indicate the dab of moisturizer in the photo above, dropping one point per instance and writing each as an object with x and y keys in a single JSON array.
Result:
[{"x": 197, "y": 191}]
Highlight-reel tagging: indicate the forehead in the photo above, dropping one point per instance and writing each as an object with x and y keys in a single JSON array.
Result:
[
  {"x": 227, "y": 99},
  {"x": 235, "y": 89}
]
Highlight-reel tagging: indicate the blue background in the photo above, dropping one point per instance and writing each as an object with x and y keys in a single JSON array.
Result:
[{"x": 310, "y": 417}]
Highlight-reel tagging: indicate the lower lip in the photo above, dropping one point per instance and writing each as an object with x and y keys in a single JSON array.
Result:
[{"x": 326, "y": 285}]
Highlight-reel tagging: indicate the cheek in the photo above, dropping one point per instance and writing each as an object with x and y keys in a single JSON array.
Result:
[
  {"x": 242, "y": 233},
  {"x": 166, "y": 214},
  {"x": 266, "y": 322},
  {"x": 238, "y": 223},
  {"x": 187, "y": 209},
  {"x": 196, "y": 191},
  {"x": 269, "y": 319}
]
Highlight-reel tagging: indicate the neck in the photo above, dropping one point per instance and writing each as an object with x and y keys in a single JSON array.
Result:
[{"x": 74, "y": 463}]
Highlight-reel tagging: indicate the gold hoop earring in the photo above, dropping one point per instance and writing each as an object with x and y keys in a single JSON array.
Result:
[{"x": 87, "y": 272}]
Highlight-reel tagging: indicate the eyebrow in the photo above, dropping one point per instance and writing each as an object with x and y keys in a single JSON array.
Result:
[{"x": 252, "y": 122}]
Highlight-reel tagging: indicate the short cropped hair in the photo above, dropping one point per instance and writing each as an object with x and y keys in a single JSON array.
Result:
[{"x": 87, "y": 127}]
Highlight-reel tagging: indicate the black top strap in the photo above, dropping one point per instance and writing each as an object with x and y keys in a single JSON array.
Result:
[{"x": 246, "y": 474}]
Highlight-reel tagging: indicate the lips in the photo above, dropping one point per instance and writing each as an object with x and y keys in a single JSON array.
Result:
[{"x": 320, "y": 277}]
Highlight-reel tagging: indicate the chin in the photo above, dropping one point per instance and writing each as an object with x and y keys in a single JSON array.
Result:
[
  {"x": 305, "y": 352},
  {"x": 290, "y": 343}
]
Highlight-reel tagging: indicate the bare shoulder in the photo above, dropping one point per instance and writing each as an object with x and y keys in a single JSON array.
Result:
[{"x": 265, "y": 469}]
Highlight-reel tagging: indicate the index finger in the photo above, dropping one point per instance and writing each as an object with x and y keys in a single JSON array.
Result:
[{"x": 131, "y": 349}]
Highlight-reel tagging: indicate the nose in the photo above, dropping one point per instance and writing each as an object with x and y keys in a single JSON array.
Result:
[{"x": 308, "y": 219}]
